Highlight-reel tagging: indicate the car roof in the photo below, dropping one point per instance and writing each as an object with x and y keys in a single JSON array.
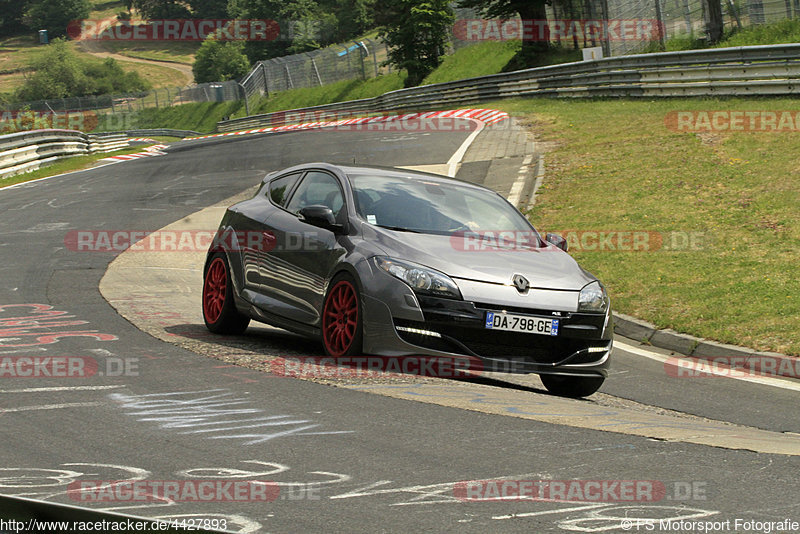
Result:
[{"x": 377, "y": 170}]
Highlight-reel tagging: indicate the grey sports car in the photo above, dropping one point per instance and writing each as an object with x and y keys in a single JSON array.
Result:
[{"x": 396, "y": 263}]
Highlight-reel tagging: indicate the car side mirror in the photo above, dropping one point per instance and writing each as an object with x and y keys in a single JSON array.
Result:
[
  {"x": 557, "y": 240},
  {"x": 321, "y": 216}
]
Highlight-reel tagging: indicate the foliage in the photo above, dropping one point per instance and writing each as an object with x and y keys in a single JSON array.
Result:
[
  {"x": 218, "y": 60},
  {"x": 304, "y": 24},
  {"x": 298, "y": 21},
  {"x": 353, "y": 17},
  {"x": 209, "y": 9},
  {"x": 161, "y": 9},
  {"x": 55, "y": 15},
  {"x": 60, "y": 73},
  {"x": 416, "y": 32},
  {"x": 532, "y": 52},
  {"x": 11, "y": 12}
]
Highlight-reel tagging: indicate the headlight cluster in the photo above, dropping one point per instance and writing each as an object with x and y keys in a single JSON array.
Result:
[
  {"x": 593, "y": 298},
  {"x": 421, "y": 279}
]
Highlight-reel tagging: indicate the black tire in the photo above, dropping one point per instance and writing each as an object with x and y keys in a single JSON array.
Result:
[
  {"x": 572, "y": 386},
  {"x": 342, "y": 318},
  {"x": 219, "y": 309}
]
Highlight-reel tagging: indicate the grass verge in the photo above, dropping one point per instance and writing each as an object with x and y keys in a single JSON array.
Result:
[
  {"x": 171, "y": 51},
  {"x": 616, "y": 167},
  {"x": 76, "y": 163},
  {"x": 781, "y": 32},
  {"x": 475, "y": 60}
]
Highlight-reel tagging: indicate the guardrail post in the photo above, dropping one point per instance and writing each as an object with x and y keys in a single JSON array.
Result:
[
  {"x": 244, "y": 95},
  {"x": 316, "y": 71},
  {"x": 361, "y": 54},
  {"x": 661, "y": 27},
  {"x": 266, "y": 79},
  {"x": 606, "y": 42}
]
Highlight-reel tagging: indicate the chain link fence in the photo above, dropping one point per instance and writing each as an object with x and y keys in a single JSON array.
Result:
[
  {"x": 678, "y": 18},
  {"x": 355, "y": 60},
  {"x": 365, "y": 58}
]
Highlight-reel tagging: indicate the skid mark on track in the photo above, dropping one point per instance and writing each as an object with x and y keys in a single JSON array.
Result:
[{"x": 216, "y": 414}]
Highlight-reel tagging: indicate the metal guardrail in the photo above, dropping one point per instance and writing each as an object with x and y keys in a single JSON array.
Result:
[
  {"x": 158, "y": 132},
  {"x": 739, "y": 71},
  {"x": 28, "y": 151}
]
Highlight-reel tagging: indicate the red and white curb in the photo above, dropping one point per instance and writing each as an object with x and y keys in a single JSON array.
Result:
[
  {"x": 142, "y": 140},
  {"x": 486, "y": 116},
  {"x": 483, "y": 116},
  {"x": 155, "y": 150}
]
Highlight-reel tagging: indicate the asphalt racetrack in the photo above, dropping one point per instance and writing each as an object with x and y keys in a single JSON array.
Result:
[{"x": 165, "y": 401}]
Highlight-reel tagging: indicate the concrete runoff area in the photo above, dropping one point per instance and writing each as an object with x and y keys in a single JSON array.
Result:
[{"x": 160, "y": 293}]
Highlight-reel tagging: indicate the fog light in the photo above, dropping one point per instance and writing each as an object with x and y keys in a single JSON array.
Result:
[{"x": 418, "y": 331}]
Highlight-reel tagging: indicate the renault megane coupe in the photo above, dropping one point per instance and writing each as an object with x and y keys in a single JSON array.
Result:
[{"x": 393, "y": 262}]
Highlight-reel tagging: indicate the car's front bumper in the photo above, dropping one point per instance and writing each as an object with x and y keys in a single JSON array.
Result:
[{"x": 453, "y": 328}]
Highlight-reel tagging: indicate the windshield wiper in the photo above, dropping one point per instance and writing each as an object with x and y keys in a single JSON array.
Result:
[{"x": 399, "y": 229}]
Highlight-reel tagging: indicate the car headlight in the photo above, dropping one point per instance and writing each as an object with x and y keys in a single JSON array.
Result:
[
  {"x": 421, "y": 279},
  {"x": 593, "y": 298}
]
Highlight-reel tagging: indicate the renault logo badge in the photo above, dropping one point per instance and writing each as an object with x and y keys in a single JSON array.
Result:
[{"x": 521, "y": 283}]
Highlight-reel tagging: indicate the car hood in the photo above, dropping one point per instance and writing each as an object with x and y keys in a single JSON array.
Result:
[{"x": 547, "y": 267}]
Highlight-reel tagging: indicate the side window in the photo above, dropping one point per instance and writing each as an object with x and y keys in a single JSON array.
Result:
[
  {"x": 279, "y": 188},
  {"x": 317, "y": 188}
]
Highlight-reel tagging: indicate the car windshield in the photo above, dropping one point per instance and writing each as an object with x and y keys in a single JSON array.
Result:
[{"x": 417, "y": 204}]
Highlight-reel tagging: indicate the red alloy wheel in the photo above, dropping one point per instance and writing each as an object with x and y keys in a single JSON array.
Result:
[
  {"x": 340, "y": 318},
  {"x": 214, "y": 290}
]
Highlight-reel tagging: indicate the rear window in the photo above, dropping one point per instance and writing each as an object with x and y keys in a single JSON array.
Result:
[{"x": 280, "y": 187}]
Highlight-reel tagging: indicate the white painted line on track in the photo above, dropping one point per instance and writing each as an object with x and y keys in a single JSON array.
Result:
[
  {"x": 51, "y": 407},
  {"x": 455, "y": 159},
  {"x": 60, "y": 388},
  {"x": 29, "y": 182},
  {"x": 538, "y": 183},
  {"x": 519, "y": 184},
  {"x": 138, "y": 268},
  {"x": 733, "y": 374},
  {"x": 548, "y": 512}
]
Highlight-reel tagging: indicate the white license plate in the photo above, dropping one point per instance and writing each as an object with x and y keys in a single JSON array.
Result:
[{"x": 522, "y": 323}]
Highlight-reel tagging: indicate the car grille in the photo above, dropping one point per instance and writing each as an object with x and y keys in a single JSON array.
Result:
[{"x": 510, "y": 346}]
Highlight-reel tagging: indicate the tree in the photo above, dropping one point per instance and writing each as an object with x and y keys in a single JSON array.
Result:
[
  {"x": 59, "y": 73},
  {"x": 218, "y": 61},
  {"x": 55, "y": 15},
  {"x": 209, "y": 9},
  {"x": 416, "y": 32},
  {"x": 161, "y": 9},
  {"x": 714, "y": 21},
  {"x": 532, "y": 49},
  {"x": 302, "y": 26},
  {"x": 11, "y": 12},
  {"x": 353, "y": 17}
]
